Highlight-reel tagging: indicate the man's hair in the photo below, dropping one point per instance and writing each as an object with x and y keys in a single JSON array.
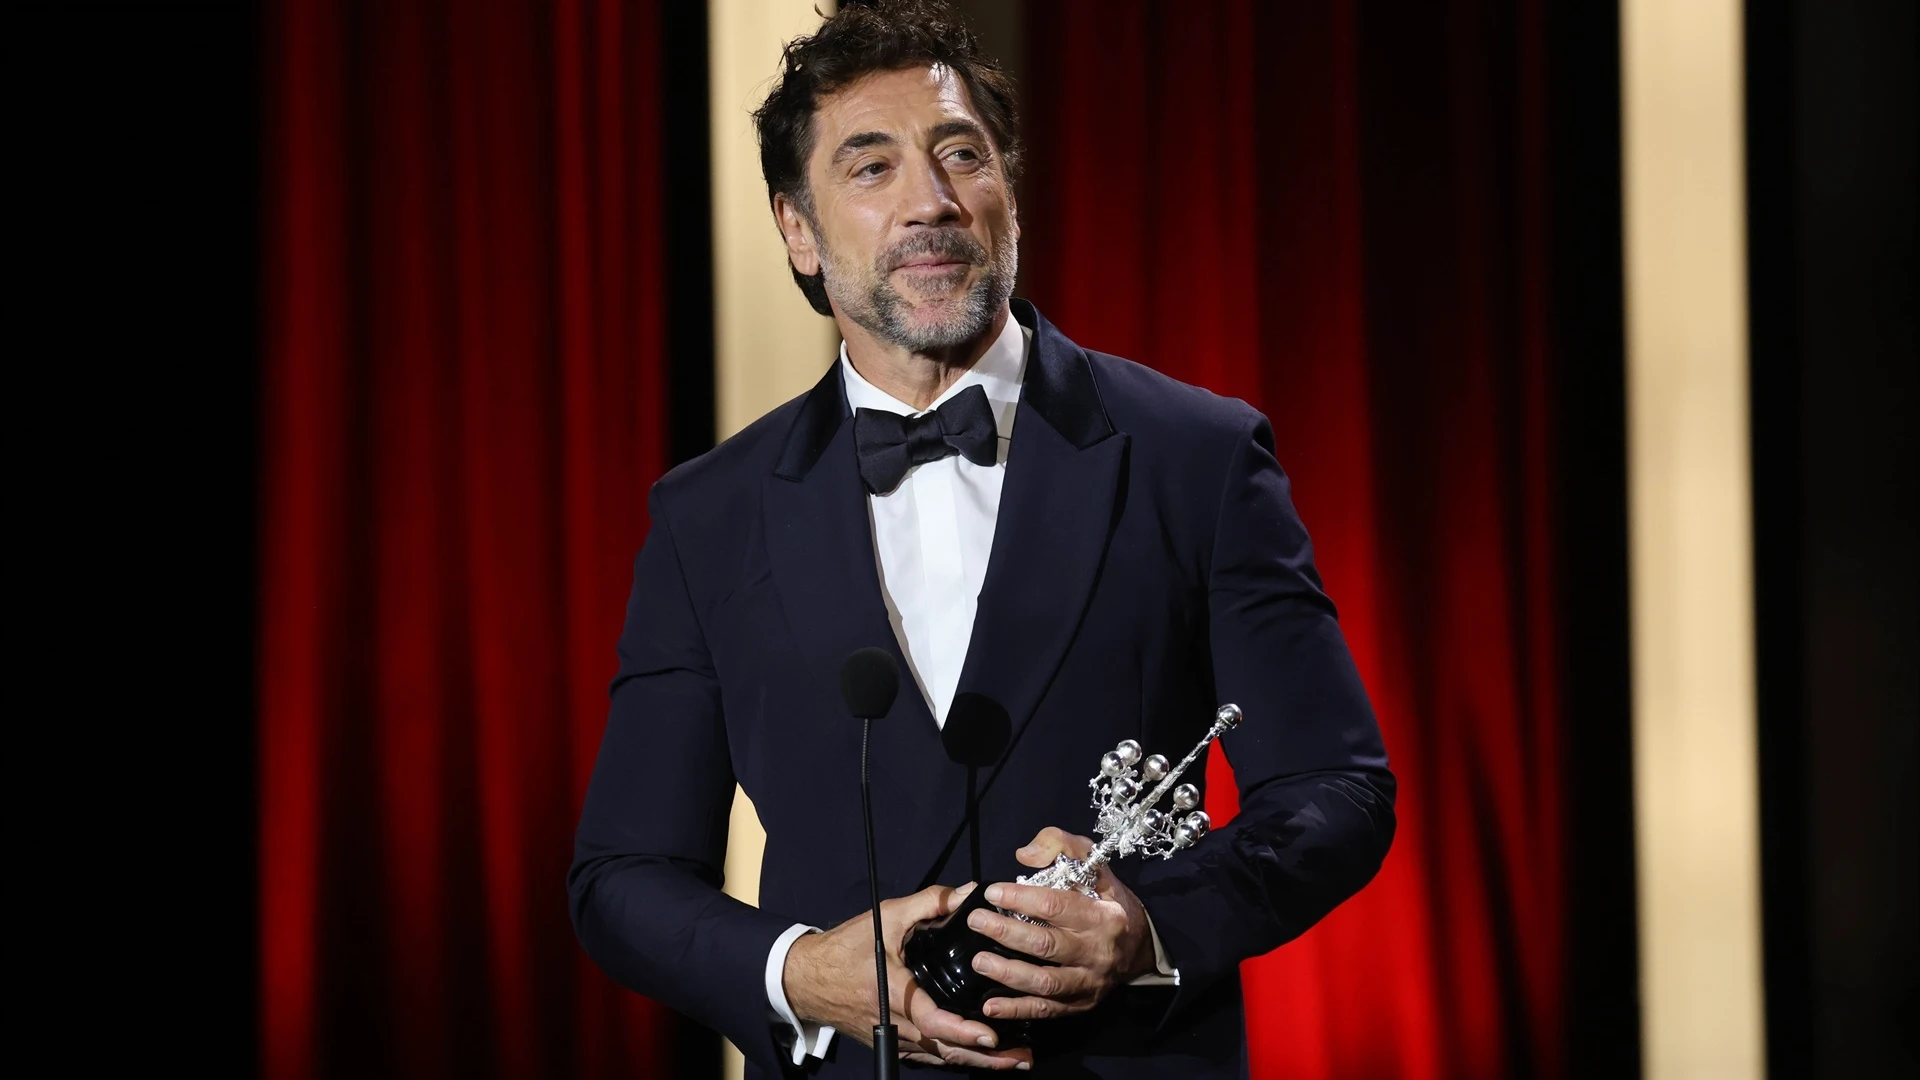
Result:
[{"x": 865, "y": 37}]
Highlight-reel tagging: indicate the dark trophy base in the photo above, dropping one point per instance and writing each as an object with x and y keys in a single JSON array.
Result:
[{"x": 939, "y": 954}]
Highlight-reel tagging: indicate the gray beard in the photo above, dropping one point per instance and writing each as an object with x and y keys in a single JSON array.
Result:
[{"x": 884, "y": 313}]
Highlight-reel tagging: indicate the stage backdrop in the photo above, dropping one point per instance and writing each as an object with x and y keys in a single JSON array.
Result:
[
  {"x": 1339, "y": 216},
  {"x": 465, "y": 401}
]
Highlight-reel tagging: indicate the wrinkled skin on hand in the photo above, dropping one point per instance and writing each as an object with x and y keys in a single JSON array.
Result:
[
  {"x": 829, "y": 979},
  {"x": 1094, "y": 943}
]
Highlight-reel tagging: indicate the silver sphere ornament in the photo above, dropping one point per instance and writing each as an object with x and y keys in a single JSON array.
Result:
[{"x": 1130, "y": 818}]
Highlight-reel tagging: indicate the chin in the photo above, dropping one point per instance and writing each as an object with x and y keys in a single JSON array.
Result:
[{"x": 947, "y": 313}]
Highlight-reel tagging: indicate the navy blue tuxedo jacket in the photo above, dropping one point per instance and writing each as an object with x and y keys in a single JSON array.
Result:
[{"x": 1147, "y": 565}]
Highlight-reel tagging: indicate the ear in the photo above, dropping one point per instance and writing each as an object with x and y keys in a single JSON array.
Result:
[{"x": 801, "y": 248}]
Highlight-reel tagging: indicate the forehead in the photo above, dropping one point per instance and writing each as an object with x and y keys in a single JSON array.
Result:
[{"x": 895, "y": 102}]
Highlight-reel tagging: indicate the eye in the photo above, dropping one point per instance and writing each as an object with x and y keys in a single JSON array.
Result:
[
  {"x": 964, "y": 159},
  {"x": 871, "y": 168}
]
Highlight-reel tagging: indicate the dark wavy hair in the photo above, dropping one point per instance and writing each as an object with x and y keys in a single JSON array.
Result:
[{"x": 864, "y": 37}]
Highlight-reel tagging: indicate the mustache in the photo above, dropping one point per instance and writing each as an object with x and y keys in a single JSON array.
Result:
[{"x": 951, "y": 245}]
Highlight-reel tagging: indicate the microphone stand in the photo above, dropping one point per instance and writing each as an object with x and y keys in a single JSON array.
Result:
[
  {"x": 886, "y": 1038},
  {"x": 973, "y": 822}
]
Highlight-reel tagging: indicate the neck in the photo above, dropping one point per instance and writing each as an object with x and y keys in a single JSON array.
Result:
[{"x": 916, "y": 378}]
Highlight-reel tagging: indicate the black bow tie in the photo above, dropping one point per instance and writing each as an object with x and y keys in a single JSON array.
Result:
[{"x": 889, "y": 444}]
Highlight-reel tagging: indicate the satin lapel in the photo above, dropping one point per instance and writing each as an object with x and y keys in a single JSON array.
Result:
[
  {"x": 820, "y": 547},
  {"x": 1057, "y": 513}
]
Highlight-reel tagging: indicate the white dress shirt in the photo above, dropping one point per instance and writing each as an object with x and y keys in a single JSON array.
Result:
[{"x": 932, "y": 536}]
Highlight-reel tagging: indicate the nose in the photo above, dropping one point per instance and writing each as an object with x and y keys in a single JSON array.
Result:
[{"x": 930, "y": 198}]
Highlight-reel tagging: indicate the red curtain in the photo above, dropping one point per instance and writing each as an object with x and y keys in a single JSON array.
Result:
[
  {"x": 1335, "y": 213},
  {"x": 463, "y": 406},
  {"x": 1338, "y": 214}
]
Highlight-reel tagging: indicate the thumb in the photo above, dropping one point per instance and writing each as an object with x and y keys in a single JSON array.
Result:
[
  {"x": 1049, "y": 844},
  {"x": 1036, "y": 855},
  {"x": 927, "y": 903}
]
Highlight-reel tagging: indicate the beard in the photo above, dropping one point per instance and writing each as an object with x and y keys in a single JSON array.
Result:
[{"x": 867, "y": 295}]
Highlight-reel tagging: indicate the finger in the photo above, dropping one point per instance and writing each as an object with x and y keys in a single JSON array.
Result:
[
  {"x": 925, "y": 904},
  {"x": 1063, "y": 984},
  {"x": 1025, "y": 1008},
  {"x": 1041, "y": 942},
  {"x": 961, "y": 1057},
  {"x": 933, "y": 1022},
  {"x": 900, "y": 915},
  {"x": 1062, "y": 907},
  {"x": 1052, "y": 842},
  {"x": 951, "y": 899}
]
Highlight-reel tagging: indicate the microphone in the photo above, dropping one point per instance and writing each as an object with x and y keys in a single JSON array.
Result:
[
  {"x": 869, "y": 681},
  {"x": 975, "y": 735}
]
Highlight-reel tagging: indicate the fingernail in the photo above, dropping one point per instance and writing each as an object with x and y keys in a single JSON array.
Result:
[
  {"x": 977, "y": 920},
  {"x": 986, "y": 1041},
  {"x": 994, "y": 893},
  {"x": 1023, "y": 1066}
]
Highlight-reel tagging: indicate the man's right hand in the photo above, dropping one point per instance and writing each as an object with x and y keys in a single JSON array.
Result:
[{"x": 829, "y": 979}]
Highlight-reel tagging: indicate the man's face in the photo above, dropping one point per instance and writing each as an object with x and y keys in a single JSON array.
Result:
[{"x": 913, "y": 219}]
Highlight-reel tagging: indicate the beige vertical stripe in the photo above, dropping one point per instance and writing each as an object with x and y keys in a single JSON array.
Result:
[
  {"x": 768, "y": 344},
  {"x": 1695, "y": 791}
]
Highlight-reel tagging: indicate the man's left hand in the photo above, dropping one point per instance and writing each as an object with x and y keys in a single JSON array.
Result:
[{"x": 1095, "y": 944}]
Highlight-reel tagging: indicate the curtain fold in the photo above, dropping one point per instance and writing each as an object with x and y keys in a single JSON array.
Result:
[
  {"x": 464, "y": 402},
  {"x": 1338, "y": 213}
]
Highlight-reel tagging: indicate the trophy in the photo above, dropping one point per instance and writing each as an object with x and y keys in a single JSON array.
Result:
[{"x": 939, "y": 952}]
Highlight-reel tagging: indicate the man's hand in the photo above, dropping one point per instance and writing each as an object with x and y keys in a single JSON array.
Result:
[
  {"x": 829, "y": 979},
  {"x": 1097, "y": 944}
]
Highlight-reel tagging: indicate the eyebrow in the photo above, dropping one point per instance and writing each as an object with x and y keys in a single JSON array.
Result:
[
  {"x": 948, "y": 128},
  {"x": 853, "y": 144},
  {"x": 856, "y": 143}
]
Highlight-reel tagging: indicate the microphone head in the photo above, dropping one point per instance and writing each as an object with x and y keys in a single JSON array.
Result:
[
  {"x": 976, "y": 731},
  {"x": 869, "y": 681}
]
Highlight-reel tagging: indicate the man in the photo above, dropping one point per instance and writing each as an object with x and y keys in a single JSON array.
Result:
[{"x": 1100, "y": 551}]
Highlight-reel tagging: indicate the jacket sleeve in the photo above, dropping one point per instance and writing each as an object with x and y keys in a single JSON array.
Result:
[
  {"x": 649, "y": 853},
  {"x": 1316, "y": 797}
]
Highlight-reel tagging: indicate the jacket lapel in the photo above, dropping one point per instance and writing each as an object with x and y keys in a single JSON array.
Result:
[
  {"x": 1057, "y": 513},
  {"x": 820, "y": 548}
]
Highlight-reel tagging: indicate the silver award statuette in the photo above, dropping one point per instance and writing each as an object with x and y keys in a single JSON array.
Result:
[
  {"x": 1128, "y": 821},
  {"x": 939, "y": 952}
]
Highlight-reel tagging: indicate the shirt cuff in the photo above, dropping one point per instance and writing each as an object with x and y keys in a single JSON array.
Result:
[
  {"x": 809, "y": 1040},
  {"x": 1164, "y": 973}
]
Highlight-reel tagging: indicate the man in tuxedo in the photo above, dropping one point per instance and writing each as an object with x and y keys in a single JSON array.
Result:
[{"x": 1099, "y": 551}]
